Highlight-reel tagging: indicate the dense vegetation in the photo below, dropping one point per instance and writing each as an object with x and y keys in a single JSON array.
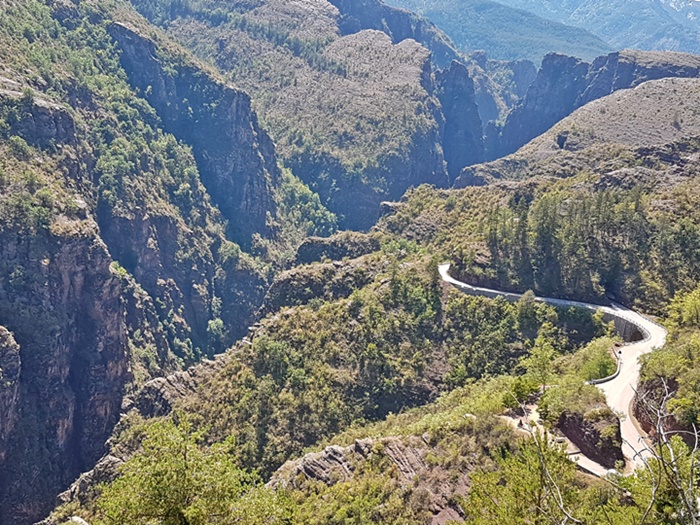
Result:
[
  {"x": 672, "y": 371},
  {"x": 313, "y": 370},
  {"x": 574, "y": 237},
  {"x": 186, "y": 484},
  {"x": 136, "y": 166},
  {"x": 312, "y": 89},
  {"x": 116, "y": 267},
  {"x": 472, "y": 462},
  {"x": 317, "y": 369},
  {"x": 331, "y": 368}
]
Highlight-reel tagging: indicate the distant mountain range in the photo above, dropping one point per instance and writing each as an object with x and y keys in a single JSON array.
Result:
[
  {"x": 529, "y": 29},
  {"x": 665, "y": 25},
  {"x": 503, "y": 32}
]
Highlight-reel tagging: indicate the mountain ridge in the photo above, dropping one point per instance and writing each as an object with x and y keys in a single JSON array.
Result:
[
  {"x": 506, "y": 33},
  {"x": 642, "y": 24}
]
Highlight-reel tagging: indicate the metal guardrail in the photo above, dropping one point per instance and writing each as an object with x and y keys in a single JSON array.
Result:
[
  {"x": 610, "y": 377},
  {"x": 614, "y": 310},
  {"x": 563, "y": 303}
]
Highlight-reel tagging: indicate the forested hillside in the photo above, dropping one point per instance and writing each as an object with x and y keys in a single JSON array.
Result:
[
  {"x": 318, "y": 91},
  {"x": 187, "y": 338},
  {"x": 365, "y": 330},
  {"x": 117, "y": 264},
  {"x": 598, "y": 210}
]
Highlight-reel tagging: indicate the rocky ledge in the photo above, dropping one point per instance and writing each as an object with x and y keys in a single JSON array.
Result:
[{"x": 596, "y": 433}]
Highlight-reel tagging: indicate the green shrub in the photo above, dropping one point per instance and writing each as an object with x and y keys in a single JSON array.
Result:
[
  {"x": 19, "y": 148},
  {"x": 173, "y": 479}
]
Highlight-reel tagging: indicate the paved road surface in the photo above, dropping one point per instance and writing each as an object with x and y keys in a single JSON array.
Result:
[{"x": 619, "y": 391}]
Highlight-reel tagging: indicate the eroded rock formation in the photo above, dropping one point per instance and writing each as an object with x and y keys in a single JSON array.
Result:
[
  {"x": 564, "y": 84},
  {"x": 235, "y": 156}
]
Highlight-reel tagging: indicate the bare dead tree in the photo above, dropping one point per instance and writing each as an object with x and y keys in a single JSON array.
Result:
[
  {"x": 551, "y": 487},
  {"x": 664, "y": 462}
]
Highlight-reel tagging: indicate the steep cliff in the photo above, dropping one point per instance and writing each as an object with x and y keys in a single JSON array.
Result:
[
  {"x": 115, "y": 263},
  {"x": 629, "y": 68},
  {"x": 653, "y": 114},
  {"x": 490, "y": 77},
  {"x": 10, "y": 365},
  {"x": 366, "y": 123},
  {"x": 236, "y": 158},
  {"x": 63, "y": 304},
  {"x": 354, "y": 187},
  {"x": 463, "y": 143},
  {"x": 38, "y": 120},
  {"x": 498, "y": 85},
  {"x": 399, "y": 24},
  {"x": 551, "y": 97},
  {"x": 564, "y": 84}
]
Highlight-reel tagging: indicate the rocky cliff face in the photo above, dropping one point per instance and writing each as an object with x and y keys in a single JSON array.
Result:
[
  {"x": 238, "y": 167},
  {"x": 336, "y": 464},
  {"x": 236, "y": 158},
  {"x": 10, "y": 364},
  {"x": 628, "y": 69},
  {"x": 337, "y": 247},
  {"x": 113, "y": 260},
  {"x": 399, "y": 24},
  {"x": 596, "y": 433},
  {"x": 407, "y": 456},
  {"x": 550, "y": 98},
  {"x": 37, "y": 120},
  {"x": 354, "y": 80},
  {"x": 63, "y": 393},
  {"x": 463, "y": 143},
  {"x": 564, "y": 84},
  {"x": 648, "y": 398}
]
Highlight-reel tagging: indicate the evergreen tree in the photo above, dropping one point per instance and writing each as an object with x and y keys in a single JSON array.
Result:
[{"x": 175, "y": 481}]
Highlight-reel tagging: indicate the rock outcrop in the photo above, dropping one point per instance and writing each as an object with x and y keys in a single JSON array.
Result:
[
  {"x": 564, "y": 84},
  {"x": 337, "y": 247},
  {"x": 596, "y": 433},
  {"x": 319, "y": 281},
  {"x": 84, "y": 489},
  {"x": 550, "y": 98},
  {"x": 63, "y": 304},
  {"x": 159, "y": 396},
  {"x": 399, "y": 24},
  {"x": 10, "y": 365},
  {"x": 37, "y": 120},
  {"x": 235, "y": 156},
  {"x": 406, "y": 456},
  {"x": 462, "y": 143},
  {"x": 649, "y": 398}
]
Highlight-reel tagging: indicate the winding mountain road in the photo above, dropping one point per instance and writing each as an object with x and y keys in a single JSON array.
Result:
[{"x": 619, "y": 390}]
